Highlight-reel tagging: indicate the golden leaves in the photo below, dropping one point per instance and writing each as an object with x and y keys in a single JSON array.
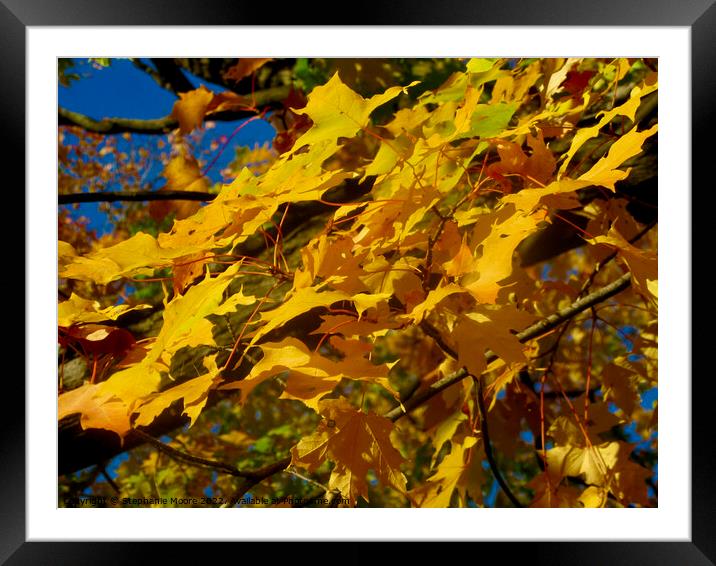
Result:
[
  {"x": 536, "y": 169},
  {"x": 606, "y": 466},
  {"x": 417, "y": 267},
  {"x": 193, "y": 106},
  {"x": 129, "y": 257},
  {"x": 310, "y": 375},
  {"x": 299, "y": 302},
  {"x": 476, "y": 332},
  {"x": 182, "y": 174},
  {"x": 628, "y": 109}
]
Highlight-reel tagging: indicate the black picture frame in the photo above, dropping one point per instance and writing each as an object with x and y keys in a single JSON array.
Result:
[{"x": 698, "y": 15}]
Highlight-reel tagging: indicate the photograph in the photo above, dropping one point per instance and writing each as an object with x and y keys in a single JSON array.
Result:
[{"x": 345, "y": 282}]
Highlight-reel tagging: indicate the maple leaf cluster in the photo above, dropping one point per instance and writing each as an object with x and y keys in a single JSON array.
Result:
[{"x": 358, "y": 314}]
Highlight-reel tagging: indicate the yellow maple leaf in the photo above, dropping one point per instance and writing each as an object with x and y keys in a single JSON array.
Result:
[
  {"x": 627, "y": 109},
  {"x": 498, "y": 248},
  {"x": 462, "y": 262},
  {"x": 357, "y": 442},
  {"x": 132, "y": 384},
  {"x": 299, "y": 302},
  {"x": 309, "y": 374},
  {"x": 139, "y": 255},
  {"x": 484, "y": 329},
  {"x": 460, "y": 470},
  {"x": 185, "y": 322},
  {"x": 337, "y": 111},
  {"x": 194, "y": 394},
  {"x": 78, "y": 310},
  {"x": 527, "y": 200},
  {"x": 604, "y": 172},
  {"x": 643, "y": 264},
  {"x": 434, "y": 297},
  {"x": 606, "y": 465},
  {"x": 96, "y": 412}
]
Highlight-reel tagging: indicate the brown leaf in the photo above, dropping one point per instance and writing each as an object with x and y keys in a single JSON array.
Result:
[
  {"x": 191, "y": 107},
  {"x": 357, "y": 442},
  {"x": 244, "y": 68}
]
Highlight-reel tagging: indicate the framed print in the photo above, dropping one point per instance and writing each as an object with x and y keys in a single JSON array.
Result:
[{"x": 384, "y": 281}]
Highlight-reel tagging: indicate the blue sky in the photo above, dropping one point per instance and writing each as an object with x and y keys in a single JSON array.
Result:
[{"x": 122, "y": 90}]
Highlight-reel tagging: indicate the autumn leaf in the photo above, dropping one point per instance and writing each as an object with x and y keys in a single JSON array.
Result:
[
  {"x": 191, "y": 107},
  {"x": 339, "y": 112},
  {"x": 368, "y": 267},
  {"x": 139, "y": 255},
  {"x": 606, "y": 465},
  {"x": 495, "y": 263},
  {"x": 433, "y": 298},
  {"x": 462, "y": 262},
  {"x": 131, "y": 385},
  {"x": 643, "y": 264},
  {"x": 357, "y": 442},
  {"x": 488, "y": 120},
  {"x": 620, "y": 387},
  {"x": 185, "y": 322},
  {"x": 97, "y": 339},
  {"x": 182, "y": 173},
  {"x": 605, "y": 172},
  {"x": 309, "y": 375},
  {"x": 460, "y": 470},
  {"x": 536, "y": 169},
  {"x": 245, "y": 67},
  {"x": 628, "y": 109},
  {"x": 99, "y": 413},
  {"x": 483, "y": 330},
  {"x": 78, "y": 310},
  {"x": 299, "y": 302},
  {"x": 193, "y": 393}
]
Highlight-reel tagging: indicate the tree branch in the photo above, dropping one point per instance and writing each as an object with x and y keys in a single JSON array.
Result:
[
  {"x": 116, "y": 125},
  {"x": 188, "y": 458},
  {"x": 263, "y": 98},
  {"x": 255, "y": 475},
  {"x": 135, "y": 196}
]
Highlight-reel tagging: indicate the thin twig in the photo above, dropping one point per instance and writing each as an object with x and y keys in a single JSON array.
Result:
[
  {"x": 109, "y": 480},
  {"x": 488, "y": 445}
]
